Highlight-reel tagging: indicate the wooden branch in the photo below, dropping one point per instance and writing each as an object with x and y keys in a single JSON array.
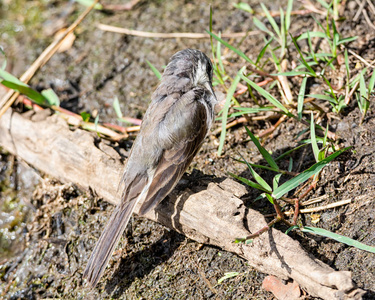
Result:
[{"x": 213, "y": 216}]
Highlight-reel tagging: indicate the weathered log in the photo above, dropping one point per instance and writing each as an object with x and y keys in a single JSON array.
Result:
[{"x": 213, "y": 216}]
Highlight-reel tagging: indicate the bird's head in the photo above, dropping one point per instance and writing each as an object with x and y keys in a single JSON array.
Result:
[{"x": 192, "y": 65}]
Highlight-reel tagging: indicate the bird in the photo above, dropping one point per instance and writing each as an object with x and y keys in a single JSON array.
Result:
[{"x": 173, "y": 129}]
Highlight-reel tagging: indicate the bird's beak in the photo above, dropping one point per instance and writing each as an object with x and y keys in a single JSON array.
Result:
[{"x": 208, "y": 85}]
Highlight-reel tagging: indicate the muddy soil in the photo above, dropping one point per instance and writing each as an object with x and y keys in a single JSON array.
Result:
[{"x": 48, "y": 228}]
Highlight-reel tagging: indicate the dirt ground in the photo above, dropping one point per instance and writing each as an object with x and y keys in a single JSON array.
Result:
[{"x": 47, "y": 227}]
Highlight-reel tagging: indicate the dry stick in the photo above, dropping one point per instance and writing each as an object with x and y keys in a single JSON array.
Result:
[
  {"x": 11, "y": 96},
  {"x": 361, "y": 58},
  {"x": 120, "y": 7},
  {"x": 315, "y": 209},
  {"x": 273, "y": 128},
  {"x": 360, "y": 10},
  {"x": 187, "y": 35},
  {"x": 315, "y": 200},
  {"x": 349, "y": 96},
  {"x": 320, "y": 208},
  {"x": 372, "y": 6},
  {"x": 311, "y": 7},
  {"x": 367, "y": 18}
]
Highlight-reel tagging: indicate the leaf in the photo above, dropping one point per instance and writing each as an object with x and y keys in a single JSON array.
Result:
[
  {"x": 235, "y": 50},
  {"x": 4, "y": 64},
  {"x": 85, "y": 116},
  {"x": 311, "y": 34},
  {"x": 15, "y": 84},
  {"x": 230, "y": 94},
  {"x": 97, "y": 6},
  {"x": 288, "y": 14},
  {"x": 371, "y": 83},
  {"x": 291, "y": 228},
  {"x": 52, "y": 98},
  {"x": 302, "y": 58},
  {"x": 262, "y": 27},
  {"x": 257, "y": 177},
  {"x": 261, "y": 53},
  {"x": 293, "y": 73},
  {"x": 266, "y": 95},
  {"x": 249, "y": 183},
  {"x": 338, "y": 237},
  {"x": 271, "y": 20},
  {"x": 301, "y": 178},
  {"x": 275, "y": 181},
  {"x": 347, "y": 40},
  {"x": 314, "y": 144},
  {"x": 227, "y": 276},
  {"x": 154, "y": 70},
  {"x": 301, "y": 98},
  {"x": 244, "y": 6},
  {"x": 267, "y": 156},
  {"x": 116, "y": 107}
]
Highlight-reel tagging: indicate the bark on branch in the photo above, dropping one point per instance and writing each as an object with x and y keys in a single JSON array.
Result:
[{"x": 213, "y": 216}]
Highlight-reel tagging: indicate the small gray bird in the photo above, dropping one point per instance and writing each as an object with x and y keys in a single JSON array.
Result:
[{"x": 172, "y": 131}]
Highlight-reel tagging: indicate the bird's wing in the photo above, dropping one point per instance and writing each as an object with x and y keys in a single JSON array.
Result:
[{"x": 185, "y": 127}]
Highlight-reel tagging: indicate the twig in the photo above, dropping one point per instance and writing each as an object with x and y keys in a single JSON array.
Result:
[
  {"x": 273, "y": 128},
  {"x": 372, "y": 6},
  {"x": 293, "y": 13},
  {"x": 120, "y": 7},
  {"x": 320, "y": 208},
  {"x": 361, "y": 58},
  {"x": 11, "y": 96},
  {"x": 360, "y": 9},
  {"x": 187, "y": 35},
  {"x": 367, "y": 18},
  {"x": 314, "y": 209},
  {"x": 350, "y": 94},
  {"x": 314, "y": 200}
]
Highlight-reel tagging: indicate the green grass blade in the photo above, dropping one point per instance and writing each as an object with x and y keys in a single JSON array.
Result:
[
  {"x": 347, "y": 65},
  {"x": 275, "y": 181},
  {"x": 227, "y": 276},
  {"x": 249, "y": 183},
  {"x": 229, "y": 46},
  {"x": 266, "y": 155},
  {"x": 302, "y": 57},
  {"x": 263, "y": 51},
  {"x": 311, "y": 34},
  {"x": 262, "y": 27},
  {"x": 244, "y": 6},
  {"x": 256, "y": 176},
  {"x": 347, "y": 40},
  {"x": 4, "y": 64},
  {"x": 271, "y": 20},
  {"x": 338, "y": 237},
  {"x": 154, "y": 70},
  {"x": 288, "y": 152},
  {"x": 266, "y": 95},
  {"x": 314, "y": 143},
  {"x": 301, "y": 178},
  {"x": 230, "y": 94},
  {"x": 288, "y": 14},
  {"x": 15, "y": 84},
  {"x": 51, "y": 97},
  {"x": 97, "y": 6},
  {"x": 116, "y": 107},
  {"x": 371, "y": 83},
  {"x": 301, "y": 98}
]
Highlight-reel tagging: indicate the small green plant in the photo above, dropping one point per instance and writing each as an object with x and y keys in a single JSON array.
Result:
[
  {"x": 45, "y": 98},
  {"x": 276, "y": 192}
]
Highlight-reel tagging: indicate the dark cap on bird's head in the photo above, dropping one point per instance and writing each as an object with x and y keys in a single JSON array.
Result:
[{"x": 190, "y": 64}]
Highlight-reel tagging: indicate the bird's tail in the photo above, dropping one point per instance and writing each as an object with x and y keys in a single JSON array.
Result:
[{"x": 107, "y": 242}]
